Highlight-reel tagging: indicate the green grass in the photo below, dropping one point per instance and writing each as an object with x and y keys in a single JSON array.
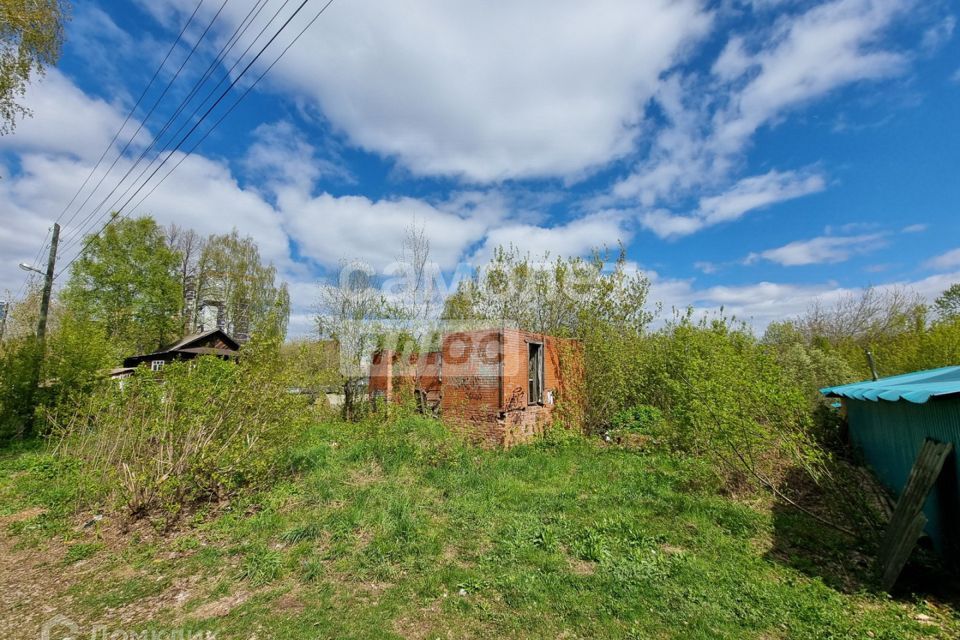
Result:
[{"x": 402, "y": 531}]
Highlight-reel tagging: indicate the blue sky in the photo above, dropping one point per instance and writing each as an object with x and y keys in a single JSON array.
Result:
[{"x": 756, "y": 155}]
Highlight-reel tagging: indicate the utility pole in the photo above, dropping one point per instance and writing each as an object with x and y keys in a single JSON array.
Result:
[{"x": 48, "y": 285}]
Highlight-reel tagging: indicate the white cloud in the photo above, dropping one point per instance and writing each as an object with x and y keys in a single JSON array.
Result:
[
  {"x": 758, "y": 304},
  {"x": 487, "y": 92},
  {"x": 733, "y": 61},
  {"x": 939, "y": 34},
  {"x": 822, "y": 250},
  {"x": 761, "y": 303},
  {"x": 829, "y": 46},
  {"x": 915, "y": 228},
  {"x": 667, "y": 225},
  {"x": 755, "y": 82},
  {"x": 757, "y": 192},
  {"x": 575, "y": 238},
  {"x": 66, "y": 120},
  {"x": 744, "y": 196},
  {"x": 294, "y": 229},
  {"x": 280, "y": 154},
  {"x": 329, "y": 228},
  {"x": 947, "y": 260}
]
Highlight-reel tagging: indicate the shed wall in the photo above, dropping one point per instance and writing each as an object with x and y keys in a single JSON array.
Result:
[
  {"x": 479, "y": 379},
  {"x": 470, "y": 371},
  {"x": 890, "y": 435}
]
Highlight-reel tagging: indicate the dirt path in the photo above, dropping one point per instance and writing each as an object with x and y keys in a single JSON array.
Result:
[{"x": 33, "y": 584}]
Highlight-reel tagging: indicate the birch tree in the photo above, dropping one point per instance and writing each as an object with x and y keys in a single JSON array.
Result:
[{"x": 31, "y": 37}]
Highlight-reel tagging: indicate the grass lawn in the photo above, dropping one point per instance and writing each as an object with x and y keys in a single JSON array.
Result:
[{"x": 402, "y": 531}]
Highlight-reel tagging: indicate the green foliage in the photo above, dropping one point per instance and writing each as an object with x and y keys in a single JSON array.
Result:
[
  {"x": 600, "y": 303},
  {"x": 948, "y": 303},
  {"x": 81, "y": 551},
  {"x": 79, "y": 352},
  {"x": 726, "y": 396},
  {"x": 401, "y": 526},
  {"x": 19, "y": 359},
  {"x": 197, "y": 431},
  {"x": 807, "y": 366},
  {"x": 261, "y": 566},
  {"x": 565, "y": 297},
  {"x": 31, "y": 37},
  {"x": 893, "y": 325},
  {"x": 350, "y": 315},
  {"x": 126, "y": 281},
  {"x": 231, "y": 271},
  {"x": 641, "y": 419}
]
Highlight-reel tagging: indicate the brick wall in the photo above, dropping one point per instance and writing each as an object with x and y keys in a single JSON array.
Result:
[
  {"x": 522, "y": 420},
  {"x": 471, "y": 384},
  {"x": 479, "y": 379}
]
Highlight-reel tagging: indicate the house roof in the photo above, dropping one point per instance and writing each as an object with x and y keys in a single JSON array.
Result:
[
  {"x": 917, "y": 387},
  {"x": 199, "y": 337},
  {"x": 191, "y": 344}
]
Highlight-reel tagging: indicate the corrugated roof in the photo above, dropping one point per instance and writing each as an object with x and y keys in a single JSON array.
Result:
[{"x": 916, "y": 387}]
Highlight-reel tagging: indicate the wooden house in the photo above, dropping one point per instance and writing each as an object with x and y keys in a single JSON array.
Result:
[{"x": 215, "y": 342}]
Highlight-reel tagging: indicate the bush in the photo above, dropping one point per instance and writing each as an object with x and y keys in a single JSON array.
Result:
[
  {"x": 18, "y": 381},
  {"x": 640, "y": 419},
  {"x": 725, "y": 396},
  {"x": 196, "y": 431}
]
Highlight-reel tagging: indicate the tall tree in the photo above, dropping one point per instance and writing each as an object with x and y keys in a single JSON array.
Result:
[
  {"x": 350, "y": 314},
  {"x": 189, "y": 245},
  {"x": 864, "y": 318},
  {"x": 414, "y": 297},
  {"x": 31, "y": 37},
  {"x": 565, "y": 297},
  {"x": 232, "y": 276},
  {"x": 948, "y": 304},
  {"x": 127, "y": 281}
]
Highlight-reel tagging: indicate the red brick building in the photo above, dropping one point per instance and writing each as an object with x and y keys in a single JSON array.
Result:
[{"x": 499, "y": 386}]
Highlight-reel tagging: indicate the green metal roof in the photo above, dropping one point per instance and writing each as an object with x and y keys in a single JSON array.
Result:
[{"x": 916, "y": 387}]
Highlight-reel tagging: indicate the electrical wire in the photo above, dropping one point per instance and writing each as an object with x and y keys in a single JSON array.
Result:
[
  {"x": 94, "y": 219},
  {"x": 143, "y": 95},
  {"x": 156, "y": 103},
  {"x": 207, "y": 113},
  {"x": 45, "y": 244},
  {"x": 230, "y": 110}
]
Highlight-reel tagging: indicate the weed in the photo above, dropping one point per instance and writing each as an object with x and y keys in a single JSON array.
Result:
[
  {"x": 81, "y": 551},
  {"x": 261, "y": 566}
]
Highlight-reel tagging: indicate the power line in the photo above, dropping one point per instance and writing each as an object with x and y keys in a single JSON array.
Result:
[
  {"x": 156, "y": 103},
  {"x": 230, "y": 110},
  {"x": 241, "y": 30},
  {"x": 109, "y": 146},
  {"x": 212, "y": 107},
  {"x": 143, "y": 95},
  {"x": 92, "y": 216}
]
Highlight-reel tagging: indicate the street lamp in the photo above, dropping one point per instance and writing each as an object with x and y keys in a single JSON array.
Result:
[{"x": 26, "y": 267}]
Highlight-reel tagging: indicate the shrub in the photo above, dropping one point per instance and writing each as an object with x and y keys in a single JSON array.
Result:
[
  {"x": 641, "y": 419},
  {"x": 196, "y": 431},
  {"x": 18, "y": 381},
  {"x": 726, "y": 396}
]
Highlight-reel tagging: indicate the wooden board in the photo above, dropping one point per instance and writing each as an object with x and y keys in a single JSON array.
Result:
[{"x": 908, "y": 520}]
